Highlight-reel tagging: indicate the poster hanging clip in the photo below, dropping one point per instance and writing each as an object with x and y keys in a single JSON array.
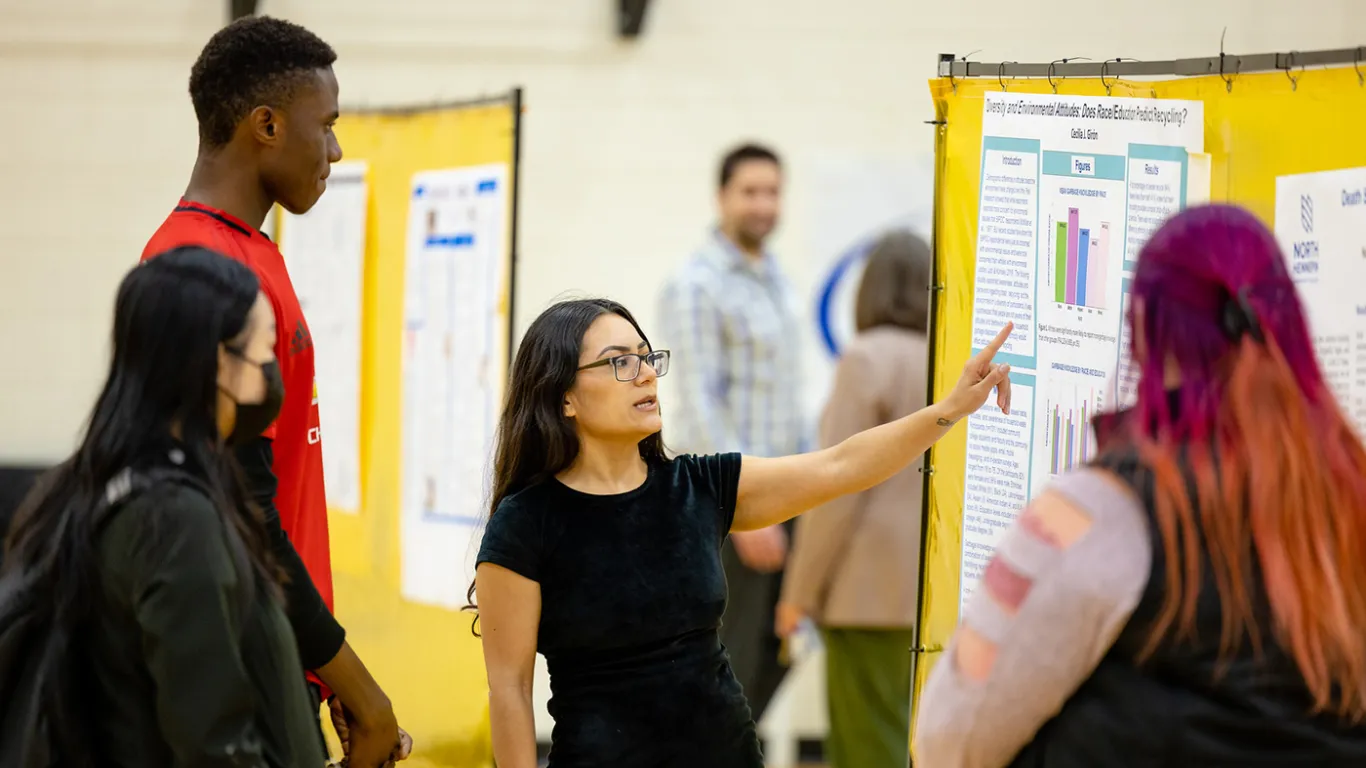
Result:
[
  {"x": 1356, "y": 64},
  {"x": 1052, "y": 68},
  {"x": 953, "y": 84},
  {"x": 1223, "y": 58},
  {"x": 1104, "y": 70},
  {"x": 1001, "y": 76},
  {"x": 1228, "y": 79},
  {"x": 1290, "y": 68}
]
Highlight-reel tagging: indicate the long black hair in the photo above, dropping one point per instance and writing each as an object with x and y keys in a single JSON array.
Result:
[
  {"x": 535, "y": 440},
  {"x": 170, "y": 317}
]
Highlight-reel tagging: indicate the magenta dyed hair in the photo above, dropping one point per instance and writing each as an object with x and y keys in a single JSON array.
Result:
[
  {"x": 1188, "y": 271},
  {"x": 1258, "y": 462}
]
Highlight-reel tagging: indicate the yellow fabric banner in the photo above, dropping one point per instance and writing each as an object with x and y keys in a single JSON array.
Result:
[{"x": 1264, "y": 126}]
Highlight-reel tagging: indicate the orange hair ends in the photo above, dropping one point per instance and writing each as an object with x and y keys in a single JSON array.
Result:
[{"x": 1277, "y": 492}]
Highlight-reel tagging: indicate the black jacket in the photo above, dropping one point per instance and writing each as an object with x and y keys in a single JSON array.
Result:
[{"x": 192, "y": 660}]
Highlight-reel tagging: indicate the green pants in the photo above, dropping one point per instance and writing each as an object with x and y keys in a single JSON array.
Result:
[{"x": 868, "y": 694}]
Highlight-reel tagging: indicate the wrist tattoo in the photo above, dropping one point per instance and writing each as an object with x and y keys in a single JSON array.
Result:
[{"x": 943, "y": 422}]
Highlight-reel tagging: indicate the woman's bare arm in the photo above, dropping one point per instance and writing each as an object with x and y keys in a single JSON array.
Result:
[
  {"x": 509, "y": 617},
  {"x": 774, "y": 490}
]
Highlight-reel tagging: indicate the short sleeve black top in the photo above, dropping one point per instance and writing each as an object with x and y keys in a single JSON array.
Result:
[{"x": 632, "y": 593}]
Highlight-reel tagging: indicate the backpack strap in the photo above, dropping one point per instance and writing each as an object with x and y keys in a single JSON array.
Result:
[{"x": 130, "y": 483}]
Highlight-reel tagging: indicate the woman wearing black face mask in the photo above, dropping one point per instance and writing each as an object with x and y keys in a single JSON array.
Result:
[
  {"x": 251, "y": 419},
  {"x": 164, "y": 639}
]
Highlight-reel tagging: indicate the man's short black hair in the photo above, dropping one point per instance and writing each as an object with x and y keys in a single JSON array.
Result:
[
  {"x": 253, "y": 61},
  {"x": 743, "y": 153}
]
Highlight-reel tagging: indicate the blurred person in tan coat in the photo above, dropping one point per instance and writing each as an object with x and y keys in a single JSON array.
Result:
[{"x": 854, "y": 568}]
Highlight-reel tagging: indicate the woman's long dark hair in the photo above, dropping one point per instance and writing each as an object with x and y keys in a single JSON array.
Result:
[
  {"x": 170, "y": 316},
  {"x": 535, "y": 440}
]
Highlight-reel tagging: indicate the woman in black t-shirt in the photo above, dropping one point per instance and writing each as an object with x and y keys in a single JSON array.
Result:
[{"x": 604, "y": 554}]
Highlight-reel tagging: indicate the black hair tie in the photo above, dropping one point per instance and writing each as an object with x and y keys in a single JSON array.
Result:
[{"x": 1240, "y": 318}]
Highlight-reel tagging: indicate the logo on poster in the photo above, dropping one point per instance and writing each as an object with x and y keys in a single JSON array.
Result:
[{"x": 1304, "y": 260}]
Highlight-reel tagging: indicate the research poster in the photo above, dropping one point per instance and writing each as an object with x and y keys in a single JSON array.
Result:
[
  {"x": 1071, "y": 189},
  {"x": 454, "y": 338},
  {"x": 1321, "y": 226},
  {"x": 325, "y": 252}
]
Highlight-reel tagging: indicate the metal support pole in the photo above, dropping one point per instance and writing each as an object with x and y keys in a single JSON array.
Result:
[{"x": 936, "y": 289}]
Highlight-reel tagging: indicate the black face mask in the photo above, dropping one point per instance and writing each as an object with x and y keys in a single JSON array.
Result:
[{"x": 255, "y": 418}]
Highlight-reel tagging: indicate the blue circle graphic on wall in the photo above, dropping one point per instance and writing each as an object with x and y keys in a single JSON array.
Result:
[{"x": 825, "y": 302}]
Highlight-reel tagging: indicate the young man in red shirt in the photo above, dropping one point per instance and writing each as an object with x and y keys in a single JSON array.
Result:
[{"x": 266, "y": 100}]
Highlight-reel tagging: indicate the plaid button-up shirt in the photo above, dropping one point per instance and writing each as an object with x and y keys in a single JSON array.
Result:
[{"x": 731, "y": 324}]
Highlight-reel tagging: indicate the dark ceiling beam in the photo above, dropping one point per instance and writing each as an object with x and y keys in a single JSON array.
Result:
[
  {"x": 631, "y": 17},
  {"x": 238, "y": 9}
]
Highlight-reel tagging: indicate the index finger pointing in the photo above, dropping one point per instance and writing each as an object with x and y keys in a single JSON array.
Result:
[{"x": 990, "y": 350}]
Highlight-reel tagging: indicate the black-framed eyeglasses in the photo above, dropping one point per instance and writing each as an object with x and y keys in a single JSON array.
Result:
[
  {"x": 627, "y": 367},
  {"x": 241, "y": 354}
]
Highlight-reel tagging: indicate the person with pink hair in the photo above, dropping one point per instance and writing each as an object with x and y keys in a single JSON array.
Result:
[{"x": 1196, "y": 596}]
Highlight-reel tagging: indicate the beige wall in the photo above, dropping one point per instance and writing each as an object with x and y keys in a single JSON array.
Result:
[{"x": 621, "y": 140}]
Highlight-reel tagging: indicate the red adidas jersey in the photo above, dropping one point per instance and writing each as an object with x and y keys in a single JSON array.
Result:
[{"x": 295, "y": 435}]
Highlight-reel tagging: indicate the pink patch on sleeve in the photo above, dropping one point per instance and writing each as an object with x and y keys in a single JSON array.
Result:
[
  {"x": 1032, "y": 525},
  {"x": 1006, "y": 585}
]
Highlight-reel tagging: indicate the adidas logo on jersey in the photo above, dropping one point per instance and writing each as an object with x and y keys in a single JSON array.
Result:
[{"x": 301, "y": 340}]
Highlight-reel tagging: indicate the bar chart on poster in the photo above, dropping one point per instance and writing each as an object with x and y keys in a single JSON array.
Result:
[
  {"x": 1086, "y": 194},
  {"x": 1081, "y": 261},
  {"x": 1068, "y": 408}
]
